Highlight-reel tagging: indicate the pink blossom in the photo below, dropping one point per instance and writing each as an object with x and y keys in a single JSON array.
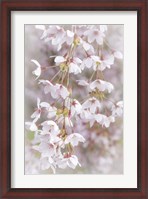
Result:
[
  {"x": 69, "y": 161},
  {"x": 101, "y": 85},
  {"x": 74, "y": 139},
  {"x": 95, "y": 35},
  {"x": 92, "y": 104},
  {"x": 37, "y": 71}
]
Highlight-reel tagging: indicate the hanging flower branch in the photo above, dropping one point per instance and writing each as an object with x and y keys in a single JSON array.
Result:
[{"x": 83, "y": 56}]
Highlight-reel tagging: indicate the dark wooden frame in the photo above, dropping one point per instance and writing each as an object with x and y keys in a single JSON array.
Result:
[{"x": 141, "y": 6}]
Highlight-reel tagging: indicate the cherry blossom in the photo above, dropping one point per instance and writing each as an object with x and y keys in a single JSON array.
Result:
[
  {"x": 53, "y": 34},
  {"x": 37, "y": 71},
  {"x": 43, "y": 28},
  {"x": 92, "y": 104},
  {"x": 51, "y": 111},
  {"x": 83, "y": 82},
  {"x": 103, "y": 28},
  {"x": 87, "y": 47},
  {"x": 46, "y": 149},
  {"x": 61, "y": 91},
  {"x": 74, "y": 139},
  {"x": 41, "y": 105},
  {"x": 72, "y": 66},
  {"x": 87, "y": 62},
  {"x": 76, "y": 107},
  {"x": 32, "y": 125},
  {"x": 58, "y": 37},
  {"x": 101, "y": 85},
  {"x": 56, "y": 91},
  {"x": 66, "y": 105},
  {"x": 104, "y": 120},
  {"x": 118, "y": 55},
  {"x": 50, "y": 126},
  {"x": 68, "y": 122},
  {"x": 117, "y": 109},
  {"x": 59, "y": 59},
  {"x": 69, "y": 161},
  {"x": 80, "y": 29},
  {"x": 87, "y": 116},
  {"x": 48, "y": 86},
  {"x": 95, "y": 35},
  {"x": 102, "y": 64},
  {"x": 46, "y": 163},
  {"x": 69, "y": 37},
  {"x": 63, "y": 116}
]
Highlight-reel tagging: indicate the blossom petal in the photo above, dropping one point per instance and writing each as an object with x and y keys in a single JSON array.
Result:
[
  {"x": 74, "y": 68},
  {"x": 103, "y": 28},
  {"x": 109, "y": 61},
  {"x": 64, "y": 92},
  {"x": 41, "y": 27},
  {"x": 82, "y": 82},
  {"x": 32, "y": 126},
  {"x": 74, "y": 139},
  {"x": 38, "y": 102},
  {"x": 68, "y": 122},
  {"x": 59, "y": 59},
  {"x": 36, "y": 62},
  {"x": 36, "y": 114},
  {"x": 99, "y": 40},
  {"x": 118, "y": 55},
  {"x": 95, "y": 58},
  {"x": 70, "y": 34},
  {"x": 86, "y": 46},
  {"x": 37, "y": 72},
  {"x": 88, "y": 62},
  {"x": 91, "y": 38},
  {"x": 44, "y": 104}
]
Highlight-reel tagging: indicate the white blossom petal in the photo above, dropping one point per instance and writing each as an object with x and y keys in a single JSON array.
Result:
[
  {"x": 70, "y": 34},
  {"x": 36, "y": 114},
  {"x": 101, "y": 85},
  {"x": 49, "y": 126},
  {"x": 68, "y": 122},
  {"x": 82, "y": 82},
  {"x": 91, "y": 38},
  {"x": 103, "y": 28},
  {"x": 36, "y": 62},
  {"x": 59, "y": 59},
  {"x": 74, "y": 139},
  {"x": 86, "y": 46},
  {"x": 41, "y": 27},
  {"x": 109, "y": 61},
  {"x": 74, "y": 68},
  {"x": 44, "y": 105},
  {"x": 118, "y": 55},
  {"x": 92, "y": 104},
  {"x": 31, "y": 126},
  {"x": 99, "y": 40},
  {"x": 64, "y": 92}
]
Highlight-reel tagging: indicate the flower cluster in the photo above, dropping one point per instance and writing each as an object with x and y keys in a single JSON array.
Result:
[{"x": 82, "y": 57}]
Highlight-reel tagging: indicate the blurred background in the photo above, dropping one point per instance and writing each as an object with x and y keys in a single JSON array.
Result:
[{"x": 102, "y": 153}]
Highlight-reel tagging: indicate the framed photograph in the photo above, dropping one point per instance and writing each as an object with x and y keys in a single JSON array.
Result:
[{"x": 73, "y": 103}]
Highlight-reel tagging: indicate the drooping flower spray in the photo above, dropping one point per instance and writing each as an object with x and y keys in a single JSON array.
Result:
[{"x": 78, "y": 92}]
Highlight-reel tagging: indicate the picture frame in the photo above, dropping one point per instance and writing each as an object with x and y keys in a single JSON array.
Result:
[{"x": 7, "y": 7}]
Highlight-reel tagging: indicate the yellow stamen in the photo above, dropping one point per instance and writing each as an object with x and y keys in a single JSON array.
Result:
[
  {"x": 76, "y": 41},
  {"x": 97, "y": 94},
  {"x": 64, "y": 67}
]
